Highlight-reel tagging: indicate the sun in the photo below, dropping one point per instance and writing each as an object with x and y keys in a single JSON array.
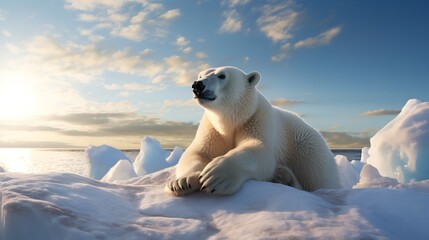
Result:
[{"x": 17, "y": 96}]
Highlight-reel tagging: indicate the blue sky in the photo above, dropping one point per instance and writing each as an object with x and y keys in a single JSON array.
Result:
[{"x": 74, "y": 73}]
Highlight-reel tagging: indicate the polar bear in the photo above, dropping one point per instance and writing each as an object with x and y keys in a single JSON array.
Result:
[{"x": 241, "y": 136}]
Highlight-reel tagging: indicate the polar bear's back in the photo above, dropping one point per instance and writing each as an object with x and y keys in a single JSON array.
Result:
[{"x": 304, "y": 150}]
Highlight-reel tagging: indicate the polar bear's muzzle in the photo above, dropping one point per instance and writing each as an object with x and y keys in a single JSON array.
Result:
[{"x": 201, "y": 92}]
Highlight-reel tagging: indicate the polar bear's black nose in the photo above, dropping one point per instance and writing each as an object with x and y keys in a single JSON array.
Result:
[{"x": 198, "y": 87}]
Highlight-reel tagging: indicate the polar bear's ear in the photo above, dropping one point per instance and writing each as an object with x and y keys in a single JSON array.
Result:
[{"x": 253, "y": 78}]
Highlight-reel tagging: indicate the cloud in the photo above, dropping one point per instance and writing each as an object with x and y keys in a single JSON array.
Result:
[
  {"x": 170, "y": 14},
  {"x": 179, "y": 103},
  {"x": 131, "y": 32},
  {"x": 282, "y": 102},
  {"x": 35, "y": 144},
  {"x": 232, "y": 22},
  {"x": 82, "y": 62},
  {"x": 90, "y": 5},
  {"x": 283, "y": 53},
  {"x": 345, "y": 139},
  {"x": 277, "y": 21},
  {"x": 380, "y": 112},
  {"x": 234, "y": 3},
  {"x": 89, "y": 33},
  {"x": 181, "y": 41},
  {"x": 6, "y": 33},
  {"x": 321, "y": 39},
  {"x": 201, "y": 55},
  {"x": 152, "y": 20},
  {"x": 182, "y": 71},
  {"x": 135, "y": 87},
  {"x": 85, "y": 17},
  {"x": 57, "y": 130},
  {"x": 122, "y": 125}
]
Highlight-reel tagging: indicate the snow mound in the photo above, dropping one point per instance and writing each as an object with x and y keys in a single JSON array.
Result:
[
  {"x": 370, "y": 177},
  {"x": 68, "y": 206},
  {"x": 152, "y": 157},
  {"x": 348, "y": 174},
  {"x": 100, "y": 159},
  {"x": 123, "y": 170},
  {"x": 401, "y": 148}
]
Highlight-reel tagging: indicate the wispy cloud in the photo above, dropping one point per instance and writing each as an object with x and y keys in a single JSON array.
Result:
[
  {"x": 181, "y": 41},
  {"x": 170, "y": 14},
  {"x": 88, "y": 126},
  {"x": 234, "y": 3},
  {"x": 282, "y": 102},
  {"x": 152, "y": 20},
  {"x": 127, "y": 88},
  {"x": 232, "y": 22},
  {"x": 283, "y": 53},
  {"x": 90, "y": 5},
  {"x": 183, "y": 71},
  {"x": 183, "y": 44},
  {"x": 277, "y": 21},
  {"x": 201, "y": 55},
  {"x": 83, "y": 62},
  {"x": 6, "y": 33},
  {"x": 380, "y": 112},
  {"x": 321, "y": 39}
]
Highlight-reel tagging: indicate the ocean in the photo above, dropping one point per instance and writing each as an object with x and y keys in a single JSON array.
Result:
[{"x": 73, "y": 160}]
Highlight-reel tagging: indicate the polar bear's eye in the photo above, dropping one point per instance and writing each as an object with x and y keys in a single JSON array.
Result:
[{"x": 221, "y": 76}]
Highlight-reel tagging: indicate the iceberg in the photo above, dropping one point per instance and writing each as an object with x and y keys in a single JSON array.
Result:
[
  {"x": 401, "y": 148},
  {"x": 347, "y": 172},
  {"x": 100, "y": 159},
  {"x": 123, "y": 170},
  {"x": 152, "y": 157}
]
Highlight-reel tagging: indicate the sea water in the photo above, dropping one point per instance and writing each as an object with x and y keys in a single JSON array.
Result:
[{"x": 73, "y": 160}]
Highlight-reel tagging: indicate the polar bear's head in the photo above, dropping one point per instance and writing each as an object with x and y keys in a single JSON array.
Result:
[
  {"x": 225, "y": 87},
  {"x": 227, "y": 91}
]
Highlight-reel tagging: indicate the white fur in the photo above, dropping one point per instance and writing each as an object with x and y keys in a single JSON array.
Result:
[{"x": 242, "y": 136}]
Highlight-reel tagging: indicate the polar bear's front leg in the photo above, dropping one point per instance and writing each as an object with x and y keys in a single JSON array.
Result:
[
  {"x": 225, "y": 174},
  {"x": 222, "y": 176}
]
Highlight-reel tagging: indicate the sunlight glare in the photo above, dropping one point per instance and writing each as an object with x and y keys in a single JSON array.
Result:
[
  {"x": 17, "y": 96},
  {"x": 15, "y": 159}
]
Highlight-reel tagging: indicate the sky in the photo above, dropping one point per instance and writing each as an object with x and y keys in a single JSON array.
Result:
[{"x": 75, "y": 73}]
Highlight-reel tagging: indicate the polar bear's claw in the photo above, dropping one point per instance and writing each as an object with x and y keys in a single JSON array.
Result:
[{"x": 183, "y": 185}]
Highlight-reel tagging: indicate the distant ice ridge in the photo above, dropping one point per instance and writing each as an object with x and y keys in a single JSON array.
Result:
[{"x": 111, "y": 165}]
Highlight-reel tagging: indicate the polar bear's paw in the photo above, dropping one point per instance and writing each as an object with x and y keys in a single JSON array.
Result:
[
  {"x": 220, "y": 177},
  {"x": 183, "y": 185}
]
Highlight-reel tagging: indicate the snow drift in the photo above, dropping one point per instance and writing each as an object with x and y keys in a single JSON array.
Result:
[{"x": 69, "y": 206}]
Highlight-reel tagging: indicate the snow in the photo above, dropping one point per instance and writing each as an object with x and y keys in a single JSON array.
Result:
[
  {"x": 130, "y": 203},
  {"x": 69, "y": 206},
  {"x": 401, "y": 148}
]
